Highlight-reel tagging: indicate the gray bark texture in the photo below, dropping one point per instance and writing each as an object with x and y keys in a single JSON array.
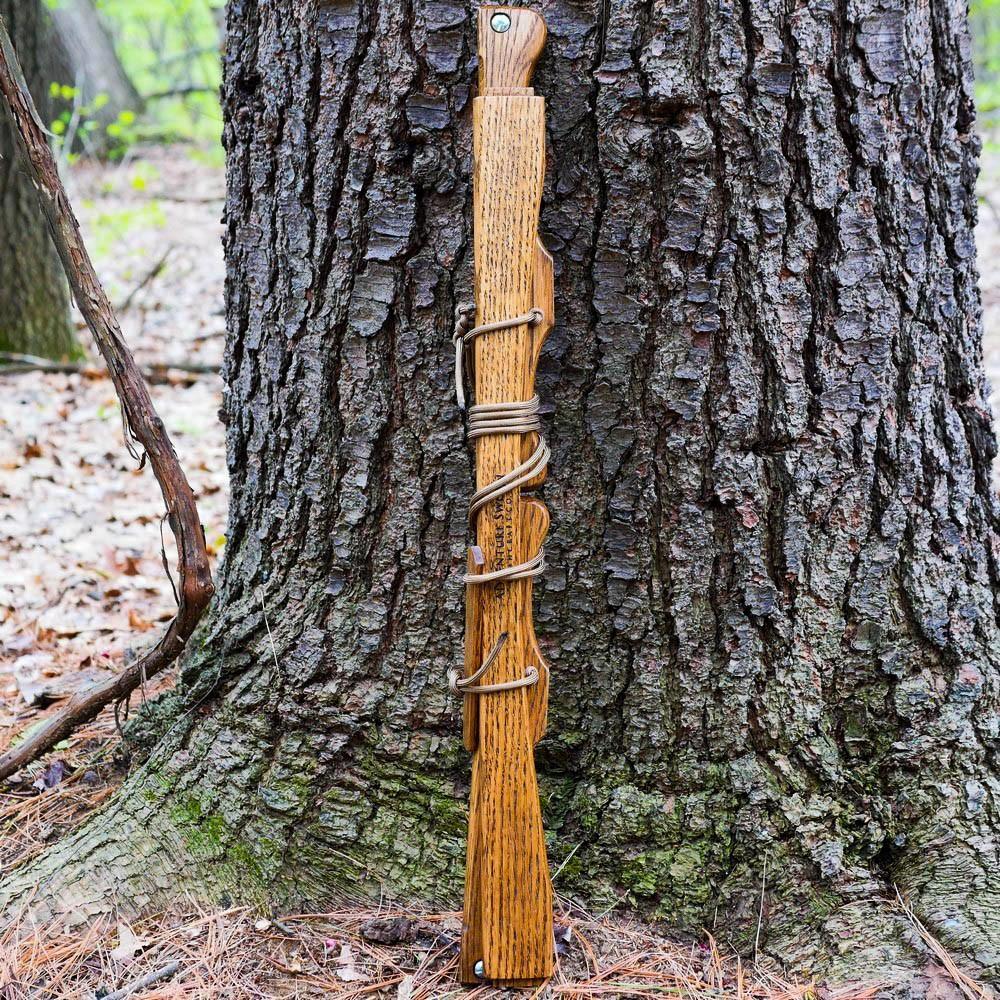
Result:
[
  {"x": 34, "y": 297},
  {"x": 771, "y": 610}
]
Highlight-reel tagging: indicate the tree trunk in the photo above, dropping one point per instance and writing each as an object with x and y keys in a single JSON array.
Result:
[
  {"x": 770, "y": 609},
  {"x": 34, "y": 298},
  {"x": 87, "y": 61}
]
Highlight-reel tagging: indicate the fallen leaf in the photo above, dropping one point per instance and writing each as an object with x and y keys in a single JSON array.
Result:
[
  {"x": 138, "y": 622},
  {"x": 563, "y": 934},
  {"x": 17, "y": 643},
  {"x": 40, "y": 683},
  {"x": 129, "y": 945},
  {"x": 940, "y": 985},
  {"x": 347, "y": 971},
  {"x": 390, "y": 930},
  {"x": 126, "y": 563},
  {"x": 29, "y": 674},
  {"x": 51, "y": 776}
]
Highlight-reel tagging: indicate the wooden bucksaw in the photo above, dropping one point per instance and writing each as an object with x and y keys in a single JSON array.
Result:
[{"x": 507, "y": 936}]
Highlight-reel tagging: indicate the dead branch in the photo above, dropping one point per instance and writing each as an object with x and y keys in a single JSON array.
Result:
[
  {"x": 143, "y": 981},
  {"x": 151, "y": 275},
  {"x": 183, "y": 91},
  {"x": 142, "y": 425},
  {"x": 158, "y": 372},
  {"x": 180, "y": 199}
]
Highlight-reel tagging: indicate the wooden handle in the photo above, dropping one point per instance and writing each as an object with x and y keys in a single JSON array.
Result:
[{"x": 511, "y": 40}]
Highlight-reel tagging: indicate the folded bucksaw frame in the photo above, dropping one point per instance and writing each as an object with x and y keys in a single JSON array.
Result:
[{"x": 507, "y": 938}]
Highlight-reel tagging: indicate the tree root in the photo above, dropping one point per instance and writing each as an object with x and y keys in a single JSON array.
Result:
[{"x": 188, "y": 822}]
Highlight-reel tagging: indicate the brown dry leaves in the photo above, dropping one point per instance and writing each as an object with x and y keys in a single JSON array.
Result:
[{"x": 80, "y": 524}]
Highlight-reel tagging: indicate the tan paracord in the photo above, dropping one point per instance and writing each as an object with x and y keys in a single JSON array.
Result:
[{"x": 519, "y": 417}]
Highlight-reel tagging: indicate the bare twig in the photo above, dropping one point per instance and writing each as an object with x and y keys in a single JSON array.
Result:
[
  {"x": 183, "y": 91},
  {"x": 188, "y": 54},
  {"x": 142, "y": 426},
  {"x": 12, "y": 363},
  {"x": 149, "y": 195},
  {"x": 151, "y": 275},
  {"x": 143, "y": 981},
  {"x": 158, "y": 193}
]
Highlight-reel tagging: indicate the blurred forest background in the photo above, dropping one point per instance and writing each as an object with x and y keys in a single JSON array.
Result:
[
  {"x": 984, "y": 20},
  {"x": 170, "y": 51}
]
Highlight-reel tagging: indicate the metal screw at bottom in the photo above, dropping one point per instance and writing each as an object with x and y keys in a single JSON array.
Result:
[
  {"x": 500, "y": 22},
  {"x": 479, "y": 968}
]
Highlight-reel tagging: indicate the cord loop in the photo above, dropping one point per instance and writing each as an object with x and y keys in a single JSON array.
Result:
[
  {"x": 518, "y": 417},
  {"x": 465, "y": 333},
  {"x": 467, "y": 685}
]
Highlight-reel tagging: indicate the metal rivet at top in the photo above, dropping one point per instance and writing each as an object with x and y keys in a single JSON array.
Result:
[
  {"x": 500, "y": 22},
  {"x": 479, "y": 968}
]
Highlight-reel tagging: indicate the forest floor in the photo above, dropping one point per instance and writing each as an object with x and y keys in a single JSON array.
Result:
[{"x": 84, "y": 587}]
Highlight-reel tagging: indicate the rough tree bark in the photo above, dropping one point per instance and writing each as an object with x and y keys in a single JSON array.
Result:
[
  {"x": 34, "y": 298},
  {"x": 771, "y": 608}
]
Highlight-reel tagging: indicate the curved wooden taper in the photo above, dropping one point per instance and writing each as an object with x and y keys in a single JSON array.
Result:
[{"x": 507, "y": 58}]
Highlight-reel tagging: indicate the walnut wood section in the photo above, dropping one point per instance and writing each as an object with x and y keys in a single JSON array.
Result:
[
  {"x": 508, "y": 904},
  {"x": 142, "y": 424},
  {"x": 507, "y": 59}
]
